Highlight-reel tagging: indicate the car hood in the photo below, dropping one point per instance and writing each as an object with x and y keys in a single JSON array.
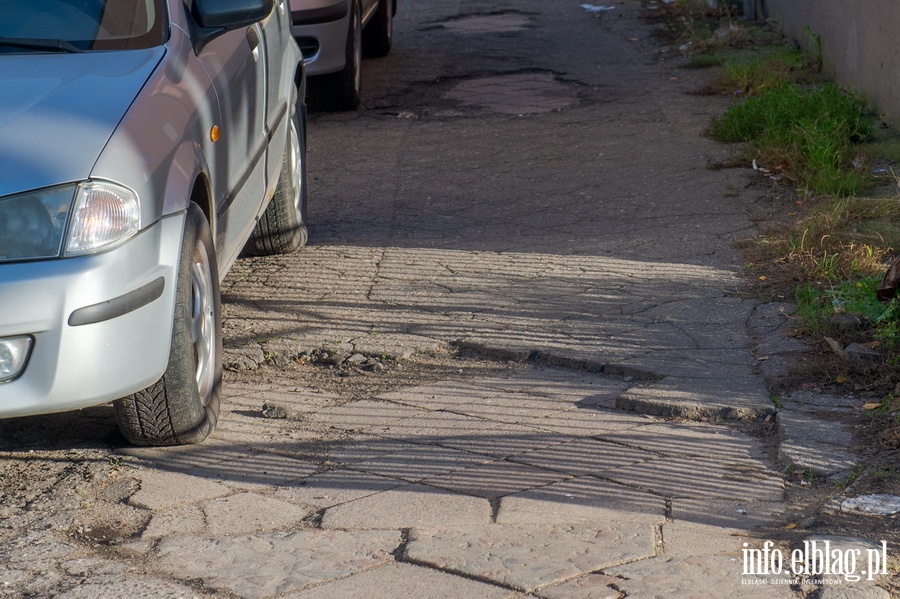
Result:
[{"x": 58, "y": 111}]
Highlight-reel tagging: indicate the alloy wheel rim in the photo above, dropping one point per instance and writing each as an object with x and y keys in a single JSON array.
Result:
[
  {"x": 296, "y": 168},
  {"x": 203, "y": 336}
]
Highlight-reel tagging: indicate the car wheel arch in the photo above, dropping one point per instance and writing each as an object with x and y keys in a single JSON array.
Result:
[{"x": 200, "y": 195}]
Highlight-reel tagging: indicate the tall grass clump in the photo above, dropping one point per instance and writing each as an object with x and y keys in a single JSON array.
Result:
[{"x": 809, "y": 134}]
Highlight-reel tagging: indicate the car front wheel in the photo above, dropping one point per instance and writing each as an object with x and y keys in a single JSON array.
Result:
[
  {"x": 183, "y": 406},
  {"x": 282, "y": 227}
]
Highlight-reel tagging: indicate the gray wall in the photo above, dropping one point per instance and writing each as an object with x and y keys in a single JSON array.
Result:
[{"x": 860, "y": 44}]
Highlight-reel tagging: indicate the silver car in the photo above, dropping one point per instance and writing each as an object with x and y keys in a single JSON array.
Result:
[
  {"x": 144, "y": 144},
  {"x": 333, "y": 36}
]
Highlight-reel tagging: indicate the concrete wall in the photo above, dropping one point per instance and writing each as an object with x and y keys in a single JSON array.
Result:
[{"x": 860, "y": 43}]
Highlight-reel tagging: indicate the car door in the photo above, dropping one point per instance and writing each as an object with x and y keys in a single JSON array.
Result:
[
  {"x": 235, "y": 62},
  {"x": 281, "y": 65}
]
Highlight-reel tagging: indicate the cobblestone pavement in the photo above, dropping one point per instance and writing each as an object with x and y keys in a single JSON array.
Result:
[{"x": 526, "y": 183}]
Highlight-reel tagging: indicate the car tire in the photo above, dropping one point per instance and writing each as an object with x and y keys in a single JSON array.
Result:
[
  {"x": 378, "y": 36},
  {"x": 282, "y": 227},
  {"x": 341, "y": 91},
  {"x": 183, "y": 406}
]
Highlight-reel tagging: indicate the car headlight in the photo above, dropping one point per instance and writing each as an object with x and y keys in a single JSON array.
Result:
[
  {"x": 89, "y": 216},
  {"x": 32, "y": 225}
]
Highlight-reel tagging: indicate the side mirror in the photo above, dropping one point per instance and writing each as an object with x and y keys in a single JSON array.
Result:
[{"x": 211, "y": 18}]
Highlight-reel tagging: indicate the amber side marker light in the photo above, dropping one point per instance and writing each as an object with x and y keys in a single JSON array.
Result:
[{"x": 214, "y": 133}]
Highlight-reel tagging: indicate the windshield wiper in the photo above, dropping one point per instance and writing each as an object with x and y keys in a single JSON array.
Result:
[{"x": 49, "y": 45}]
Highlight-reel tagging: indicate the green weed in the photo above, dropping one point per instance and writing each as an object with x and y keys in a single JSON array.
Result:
[
  {"x": 806, "y": 133},
  {"x": 816, "y": 41}
]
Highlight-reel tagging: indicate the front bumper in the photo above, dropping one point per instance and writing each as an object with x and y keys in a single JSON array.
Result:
[
  {"x": 101, "y": 324},
  {"x": 321, "y": 33}
]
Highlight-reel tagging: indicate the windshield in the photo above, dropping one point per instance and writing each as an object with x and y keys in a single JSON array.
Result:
[{"x": 80, "y": 25}]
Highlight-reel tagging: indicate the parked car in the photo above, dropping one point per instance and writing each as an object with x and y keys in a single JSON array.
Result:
[
  {"x": 333, "y": 36},
  {"x": 143, "y": 145}
]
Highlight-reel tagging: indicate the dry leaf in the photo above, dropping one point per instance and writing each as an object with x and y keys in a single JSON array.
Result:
[{"x": 872, "y": 405}]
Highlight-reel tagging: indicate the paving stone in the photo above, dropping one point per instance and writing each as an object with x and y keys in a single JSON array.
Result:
[
  {"x": 777, "y": 366},
  {"x": 406, "y": 507},
  {"x": 818, "y": 458},
  {"x": 94, "y": 567},
  {"x": 15, "y": 576},
  {"x": 770, "y": 317},
  {"x": 746, "y": 480},
  {"x": 418, "y": 462},
  {"x": 36, "y": 546},
  {"x": 246, "y": 513},
  {"x": 688, "y": 539},
  {"x": 144, "y": 587},
  {"x": 360, "y": 416},
  {"x": 689, "y": 439},
  {"x": 242, "y": 428},
  {"x": 855, "y": 591},
  {"x": 175, "y": 521},
  {"x": 513, "y": 407},
  {"x": 442, "y": 395},
  {"x": 181, "y": 457},
  {"x": 431, "y": 427},
  {"x": 801, "y": 428},
  {"x": 527, "y": 557},
  {"x": 698, "y": 398},
  {"x": 729, "y": 514},
  {"x": 582, "y": 500},
  {"x": 503, "y": 440},
  {"x": 364, "y": 447},
  {"x": 235, "y": 466},
  {"x": 404, "y": 580},
  {"x": 495, "y": 479},
  {"x": 779, "y": 344},
  {"x": 273, "y": 564},
  {"x": 592, "y": 586},
  {"x": 160, "y": 490},
  {"x": 815, "y": 444},
  {"x": 697, "y": 577},
  {"x": 589, "y": 422},
  {"x": 298, "y": 400},
  {"x": 36, "y": 579},
  {"x": 396, "y": 346},
  {"x": 335, "y": 487},
  {"x": 875, "y": 505},
  {"x": 261, "y": 471},
  {"x": 572, "y": 386},
  {"x": 816, "y": 403},
  {"x": 584, "y": 457}
]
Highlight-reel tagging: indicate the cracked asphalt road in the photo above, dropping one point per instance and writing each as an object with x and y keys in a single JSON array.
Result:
[{"x": 519, "y": 272}]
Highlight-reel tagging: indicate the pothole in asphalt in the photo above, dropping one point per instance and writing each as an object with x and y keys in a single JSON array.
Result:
[
  {"x": 515, "y": 93},
  {"x": 506, "y": 22}
]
